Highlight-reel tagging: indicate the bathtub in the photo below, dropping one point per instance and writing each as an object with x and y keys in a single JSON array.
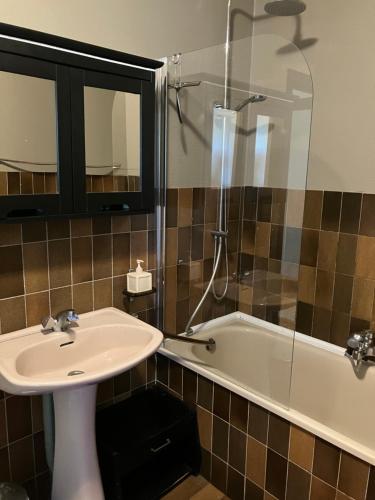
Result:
[{"x": 307, "y": 381}]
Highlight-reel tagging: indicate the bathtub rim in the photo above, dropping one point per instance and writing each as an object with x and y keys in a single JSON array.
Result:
[{"x": 299, "y": 419}]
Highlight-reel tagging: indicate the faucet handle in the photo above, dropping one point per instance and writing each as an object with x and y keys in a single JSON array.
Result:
[
  {"x": 68, "y": 314},
  {"x": 48, "y": 324},
  {"x": 355, "y": 341}
]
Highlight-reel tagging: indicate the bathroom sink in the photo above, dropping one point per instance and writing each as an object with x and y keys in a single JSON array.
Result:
[
  {"x": 70, "y": 364},
  {"x": 106, "y": 343}
]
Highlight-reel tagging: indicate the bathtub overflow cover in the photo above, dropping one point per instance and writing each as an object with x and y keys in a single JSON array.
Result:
[{"x": 75, "y": 372}]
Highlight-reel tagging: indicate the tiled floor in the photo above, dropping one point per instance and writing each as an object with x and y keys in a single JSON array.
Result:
[{"x": 195, "y": 488}]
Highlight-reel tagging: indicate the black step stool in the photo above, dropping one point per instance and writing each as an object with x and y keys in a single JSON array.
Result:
[{"x": 146, "y": 445}]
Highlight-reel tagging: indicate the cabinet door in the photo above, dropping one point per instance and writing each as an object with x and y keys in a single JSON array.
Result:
[
  {"x": 112, "y": 142},
  {"x": 35, "y": 138}
]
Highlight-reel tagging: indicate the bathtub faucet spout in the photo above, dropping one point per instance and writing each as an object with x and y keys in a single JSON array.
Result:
[{"x": 360, "y": 346}]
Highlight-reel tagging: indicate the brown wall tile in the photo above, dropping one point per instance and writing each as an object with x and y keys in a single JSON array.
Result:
[
  {"x": 327, "y": 251},
  {"x": 363, "y": 298},
  {"x": 210, "y": 209},
  {"x": 205, "y": 427},
  {"x": 279, "y": 199},
  {"x": 235, "y": 484},
  {"x": 313, "y": 209},
  {"x": 198, "y": 205},
  {"x": 121, "y": 254},
  {"x": 353, "y": 476},
  {"x": 239, "y": 412},
  {"x": 22, "y": 459},
  {"x": 350, "y": 212},
  {"x": 101, "y": 225},
  {"x": 221, "y": 402},
  {"x": 321, "y": 323},
  {"x": 82, "y": 259},
  {"x": 102, "y": 256},
  {"x": 276, "y": 474},
  {"x": 321, "y": 490},
  {"x": 301, "y": 448},
  {"x": 309, "y": 247},
  {"x": 172, "y": 203},
  {"x": 256, "y": 462},
  {"x": 37, "y": 307},
  {"x": 262, "y": 239},
  {"x": 138, "y": 248},
  {"x": 18, "y": 409},
  {"x": 251, "y": 202},
  {"x": 237, "y": 449},
  {"x": 258, "y": 423},
  {"x": 121, "y": 224},
  {"x": 306, "y": 284},
  {"x": 278, "y": 435},
  {"x": 219, "y": 473},
  {"x": 61, "y": 299},
  {"x": 34, "y": 231},
  {"x": 205, "y": 393},
  {"x": 81, "y": 227},
  {"x": 12, "y": 314},
  {"x": 185, "y": 205},
  {"x": 331, "y": 210},
  {"x": 326, "y": 461},
  {"x": 10, "y": 234},
  {"x": 58, "y": 229},
  {"x": 298, "y": 485},
  {"x": 59, "y": 263},
  {"x": 83, "y": 297},
  {"x": 220, "y": 438},
  {"x": 138, "y": 222},
  {"x": 342, "y": 293},
  {"x": 264, "y": 204},
  {"x": 102, "y": 293},
  {"x": 367, "y": 225},
  {"x": 36, "y": 267},
  {"x": 11, "y": 274},
  {"x": 346, "y": 254},
  {"x": 365, "y": 257}
]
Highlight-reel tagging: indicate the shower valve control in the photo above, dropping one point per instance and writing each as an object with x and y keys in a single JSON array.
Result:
[{"x": 360, "y": 347}]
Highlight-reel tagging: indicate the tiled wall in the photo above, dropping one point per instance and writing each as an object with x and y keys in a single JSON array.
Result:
[
  {"x": 47, "y": 267},
  {"x": 112, "y": 183},
  {"x": 303, "y": 260},
  {"x": 46, "y": 182},
  {"x": 190, "y": 218},
  {"x": 251, "y": 454},
  {"x": 332, "y": 277}
]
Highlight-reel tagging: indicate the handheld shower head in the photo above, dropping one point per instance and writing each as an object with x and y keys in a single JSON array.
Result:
[
  {"x": 253, "y": 99},
  {"x": 285, "y": 8}
]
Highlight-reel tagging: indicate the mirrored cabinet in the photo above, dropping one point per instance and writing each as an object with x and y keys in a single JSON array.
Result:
[{"x": 77, "y": 128}]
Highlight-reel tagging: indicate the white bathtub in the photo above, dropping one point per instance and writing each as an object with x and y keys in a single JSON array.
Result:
[{"x": 318, "y": 391}]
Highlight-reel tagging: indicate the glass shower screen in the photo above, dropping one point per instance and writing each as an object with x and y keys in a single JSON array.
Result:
[{"x": 236, "y": 181}]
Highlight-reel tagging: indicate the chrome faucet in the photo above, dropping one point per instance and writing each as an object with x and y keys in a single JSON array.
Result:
[
  {"x": 61, "y": 323},
  {"x": 360, "y": 347}
]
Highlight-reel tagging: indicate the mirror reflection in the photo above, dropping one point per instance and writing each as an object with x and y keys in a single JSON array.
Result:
[
  {"x": 112, "y": 140},
  {"x": 28, "y": 151}
]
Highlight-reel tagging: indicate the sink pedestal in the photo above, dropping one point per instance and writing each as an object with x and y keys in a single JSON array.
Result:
[{"x": 76, "y": 474}]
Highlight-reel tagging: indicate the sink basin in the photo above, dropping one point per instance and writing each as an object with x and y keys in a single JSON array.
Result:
[
  {"x": 70, "y": 365},
  {"x": 106, "y": 343}
]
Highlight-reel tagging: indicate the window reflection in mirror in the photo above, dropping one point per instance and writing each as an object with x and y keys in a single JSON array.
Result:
[
  {"x": 28, "y": 151},
  {"x": 112, "y": 140}
]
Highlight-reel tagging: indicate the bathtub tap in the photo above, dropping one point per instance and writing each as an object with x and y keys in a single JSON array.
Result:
[{"x": 360, "y": 347}]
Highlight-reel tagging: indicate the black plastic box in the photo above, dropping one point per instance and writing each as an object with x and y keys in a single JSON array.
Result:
[{"x": 146, "y": 444}]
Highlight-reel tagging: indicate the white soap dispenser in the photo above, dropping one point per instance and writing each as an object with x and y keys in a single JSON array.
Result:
[{"x": 139, "y": 281}]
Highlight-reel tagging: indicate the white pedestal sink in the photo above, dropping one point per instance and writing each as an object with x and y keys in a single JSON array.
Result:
[{"x": 70, "y": 364}]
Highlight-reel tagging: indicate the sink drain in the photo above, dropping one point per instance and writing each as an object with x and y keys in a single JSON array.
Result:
[{"x": 75, "y": 372}]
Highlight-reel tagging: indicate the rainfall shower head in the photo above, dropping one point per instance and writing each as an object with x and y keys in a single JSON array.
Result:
[
  {"x": 254, "y": 98},
  {"x": 285, "y": 8}
]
